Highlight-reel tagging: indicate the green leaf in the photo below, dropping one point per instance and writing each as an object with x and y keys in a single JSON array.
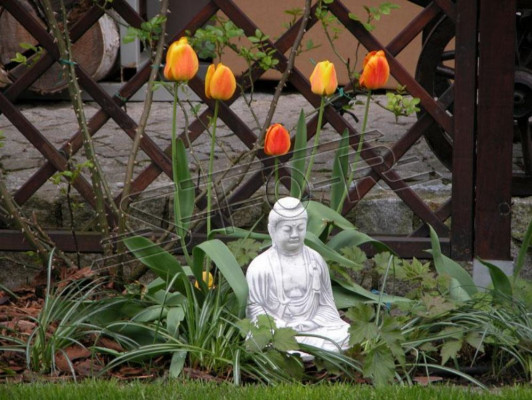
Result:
[
  {"x": 392, "y": 335},
  {"x": 353, "y": 237},
  {"x": 379, "y": 365},
  {"x": 446, "y": 266},
  {"x": 150, "y": 314},
  {"x": 297, "y": 183},
  {"x": 173, "y": 319},
  {"x": 358, "y": 291},
  {"x": 435, "y": 305},
  {"x": 258, "y": 335},
  {"x": 20, "y": 58},
  {"x": 340, "y": 173},
  {"x": 244, "y": 250},
  {"x": 501, "y": 283},
  {"x": 527, "y": 241},
  {"x": 344, "y": 298},
  {"x": 226, "y": 263},
  {"x": 177, "y": 363},
  {"x": 240, "y": 233},
  {"x": 158, "y": 260},
  {"x": 284, "y": 339},
  {"x": 359, "y": 332},
  {"x": 327, "y": 252},
  {"x": 320, "y": 216},
  {"x": 361, "y": 313},
  {"x": 449, "y": 350},
  {"x": 288, "y": 363},
  {"x": 354, "y": 17},
  {"x": 185, "y": 189},
  {"x": 355, "y": 254}
]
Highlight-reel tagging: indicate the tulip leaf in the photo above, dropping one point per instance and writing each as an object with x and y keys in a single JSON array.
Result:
[
  {"x": 446, "y": 266},
  {"x": 184, "y": 198},
  {"x": 236, "y": 232},
  {"x": 340, "y": 173},
  {"x": 320, "y": 216},
  {"x": 314, "y": 242},
  {"x": 297, "y": 184},
  {"x": 158, "y": 260},
  {"x": 177, "y": 363},
  {"x": 226, "y": 263},
  {"x": 501, "y": 283},
  {"x": 527, "y": 241},
  {"x": 353, "y": 237}
]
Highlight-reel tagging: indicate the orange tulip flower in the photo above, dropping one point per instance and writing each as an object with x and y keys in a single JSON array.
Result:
[
  {"x": 220, "y": 82},
  {"x": 277, "y": 140},
  {"x": 181, "y": 61},
  {"x": 376, "y": 70},
  {"x": 323, "y": 79}
]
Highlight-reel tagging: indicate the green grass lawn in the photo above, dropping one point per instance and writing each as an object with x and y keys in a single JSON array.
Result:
[{"x": 204, "y": 391}]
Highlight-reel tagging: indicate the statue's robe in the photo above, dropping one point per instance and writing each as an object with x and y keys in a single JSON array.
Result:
[{"x": 267, "y": 296}]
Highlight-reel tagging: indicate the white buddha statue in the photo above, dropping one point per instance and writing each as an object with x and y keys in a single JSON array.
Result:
[{"x": 291, "y": 282}]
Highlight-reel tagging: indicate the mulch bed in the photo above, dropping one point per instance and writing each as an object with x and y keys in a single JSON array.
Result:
[{"x": 18, "y": 320}]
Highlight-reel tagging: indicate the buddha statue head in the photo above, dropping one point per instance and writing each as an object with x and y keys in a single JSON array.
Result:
[{"x": 287, "y": 225}]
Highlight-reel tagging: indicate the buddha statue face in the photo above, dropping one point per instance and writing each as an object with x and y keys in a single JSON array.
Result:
[
  {"x": 288, "y": 236},
  {"x": 287, "y": 225}
]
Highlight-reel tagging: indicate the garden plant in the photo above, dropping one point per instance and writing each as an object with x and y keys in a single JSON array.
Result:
[{"x": 412, "y": 321}]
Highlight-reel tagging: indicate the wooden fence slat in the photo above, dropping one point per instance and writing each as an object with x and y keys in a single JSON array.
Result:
[
  {"x": 397, "y": 70},
  {"x": 460, "y": 125},
  {"x": 464, "y": 125},
  {"x": 495, "y": 129},
  {"x": 44, "y": 146}
]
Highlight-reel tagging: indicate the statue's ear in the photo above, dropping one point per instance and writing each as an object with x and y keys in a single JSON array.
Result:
[{"x": 270, "y": 231}]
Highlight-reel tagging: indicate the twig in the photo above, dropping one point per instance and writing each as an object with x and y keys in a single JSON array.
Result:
[
  {"x": 35, "y": 237},
  {"x": 289, "y": 67},
  {"x": 102, "y": 193},
  {"x": 139, "y": 132}
]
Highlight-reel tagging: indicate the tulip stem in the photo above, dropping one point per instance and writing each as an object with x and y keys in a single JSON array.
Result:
[
  {"x": 177, "y": 204},
  {"x": 357, "y": 154},
  {"x": 276, "y": 182},
  {"x": 316, "y": 142},
  {"x": 211, "y": 166}
]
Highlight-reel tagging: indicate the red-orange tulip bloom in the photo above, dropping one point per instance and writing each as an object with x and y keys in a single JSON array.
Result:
[
  {"x": 323, "y": 79},
  {"x": 376, "y": 70},
  {"x": 220, "y": 83},
  {"x": 277, "y": 140},
  {"x": 181, "y": 61}
]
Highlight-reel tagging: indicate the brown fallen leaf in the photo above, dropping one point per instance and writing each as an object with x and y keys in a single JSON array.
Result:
[
  {"x": 131, "y": 371},
  {"x": 73, "y": 353},
  {"x": 70, "y": 275},
  {"x": 87, "y": 367},
  {"x": 110, "y": 344},
  {"x": 425, "y": 380}
]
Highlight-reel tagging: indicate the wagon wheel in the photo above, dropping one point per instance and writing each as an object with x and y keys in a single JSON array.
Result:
[{"x": 435, "y": 72}]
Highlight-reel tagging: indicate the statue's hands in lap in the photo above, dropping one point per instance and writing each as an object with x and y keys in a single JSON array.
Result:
[{"x": 304, "y": 326}]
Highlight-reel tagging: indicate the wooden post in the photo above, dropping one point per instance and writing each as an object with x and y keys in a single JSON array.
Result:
[
  {"x": 495, "y": 129},
  {"x": 464, "y": 130}
]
